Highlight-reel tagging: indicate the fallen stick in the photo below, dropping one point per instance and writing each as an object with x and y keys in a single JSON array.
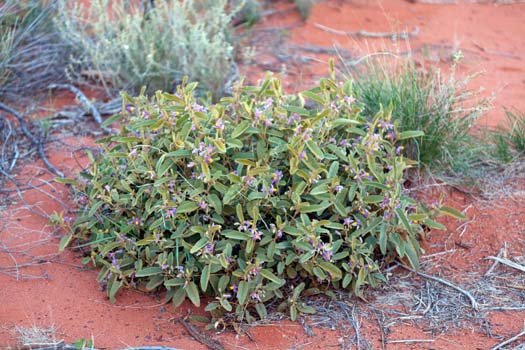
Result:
[
  {"x": 84, "y": 101},
  {"x": 37, "y": 143},
  {"x": 508, "y": 262},
  {"x": 201, "y": 338},
  {"x": 500, "y": 254},
  {"x": 363, "y": 33},
  {"x": 473, "y": 301},
  {"x": 407, "y": 341},
  {"x": 508, "y": 341}
]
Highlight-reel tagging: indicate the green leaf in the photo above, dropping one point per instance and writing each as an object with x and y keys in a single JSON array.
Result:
[
  {"x": 179, "y": 297},
  {"x": 456, "y": 214},
  {"x": 148, "y": 271},
  {"x": 261, "y": 310},
  {"x": 434, "y": 225},
  {"x": 410, "y": 134},
  {"x": 240, "y": 129},
  {"x": 215, "y": 202},
  {"x": 205, "y": 277},
  {"x": 316, "y": 151},
  {"x": 64, "y": 242},
  {"x": 242, "y": 292},
  {"x": 226, "y": 304},
  {"x": 382, "y": 239},
  {"x": 319, "y": 189},
  {"x": 270, "y": 276},
  {"x": 193, "y": 293},
  {"x": 115, "y": 286},
  {"x": 199, "y": 245},
  {"x": 333, "y": 270},
  {"x": 186, "y": 207},
  {"x": 412, "y": 254},
  {"x": 313, "y": 96},
  {"x": 404, "y": 220},
  {"x": 243, "y": 236}
]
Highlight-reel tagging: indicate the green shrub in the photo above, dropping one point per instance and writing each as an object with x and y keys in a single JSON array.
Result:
[
  {"x": 31, "y": 56},
  {"x": 423, "y": 100},
  {"x": 124, "y": 47},
  {"x": 250, "y": 12},
  {"x": 510, "y": 141},
  {"x": 251, "y": 200},
  {"x": 304, "y": 7}
]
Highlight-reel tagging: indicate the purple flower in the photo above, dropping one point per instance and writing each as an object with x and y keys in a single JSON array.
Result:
[
  {"x": 191, "y": 165},
  {"x": 391, "y": 135},
  {"x": 198, "y": 108},
  {"x": 82, "y": 200},
  {"x": 107, "y": 188},
  {"x": 164, "y": 266},
  {"x": 114, "y": 261},
  {"x": 145, "y": 115},
  {"x": 136, "y": 221},
  {"x": 338, "y": 188},
  {"x": 219, "y": 125},
  {"x": 248, "y": 180},
  {"x": 279, "y": 234},
  {"x": 385, "y": 203},
  {"x": 171, "y": 213},
  {"x": 294, "y": 117},
  {"x": 348, "y": 221},
  {"x": 130, "y": 108},
  {"x": 302, "y": 155},
  {"x": 133, "y": 153},
  {"x": 327, "y": 254},
  {"x": 256, "y": 234},
  {"x": 399, "y": 149},
  {"x": 268, "y": 103},
  {"x": 268, "y": 122},
  {"x": 257, "y": 113},
  {"x": 268, "y": 191},
  {"x": 203, "y": 205},
  {"x": 254, "y": 271},
  {"x": 349, "y": 99},
  {"x": 255, "y": 296},
  {"x": 209, "y": 249}
]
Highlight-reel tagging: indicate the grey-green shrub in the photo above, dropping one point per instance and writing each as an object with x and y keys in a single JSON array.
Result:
[
  {"x": 251, "y": 200},
  {"x": 120, "y": 46},
  {"x": 304, "y": 7},
  {"x": 31, "y": 54}
]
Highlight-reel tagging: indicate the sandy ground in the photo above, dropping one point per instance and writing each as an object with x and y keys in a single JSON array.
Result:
[{"x": 54, "y": 290}]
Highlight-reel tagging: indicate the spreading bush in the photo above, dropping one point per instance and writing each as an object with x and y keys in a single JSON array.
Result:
[
  {"x": 250, "y": 200},
  {"x": 124, "y": 46}
]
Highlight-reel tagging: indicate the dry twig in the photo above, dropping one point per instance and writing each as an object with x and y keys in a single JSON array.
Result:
[
  {"x": 473, "y": 301},
  {"x": 364, "y": 33}
]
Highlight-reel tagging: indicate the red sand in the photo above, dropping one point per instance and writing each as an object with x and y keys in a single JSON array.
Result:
[{"x": 70, "y": 299}]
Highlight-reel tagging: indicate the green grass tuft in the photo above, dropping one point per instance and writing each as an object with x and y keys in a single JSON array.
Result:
[{"x": 423, "y": 100}]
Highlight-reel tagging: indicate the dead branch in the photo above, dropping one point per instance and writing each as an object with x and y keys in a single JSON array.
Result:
[
  {"x": 500, "y": 254},
  {"x": 508, "y": 262},
  {"x": 363, "y": 33},
  {"x": 508, "y": 341},
  {"x": 84, "y": 101},
  {"x": 36, "y": 142},
  {"x": 473, "y": 301},
  {"x": 201, "y": 338}
]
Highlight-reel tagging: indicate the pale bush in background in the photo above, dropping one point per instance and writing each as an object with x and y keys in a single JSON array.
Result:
[{"x": 124, "y": 47}]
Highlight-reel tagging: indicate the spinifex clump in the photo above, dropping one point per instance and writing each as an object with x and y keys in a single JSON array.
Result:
[{"x": 249, "y": 200}]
